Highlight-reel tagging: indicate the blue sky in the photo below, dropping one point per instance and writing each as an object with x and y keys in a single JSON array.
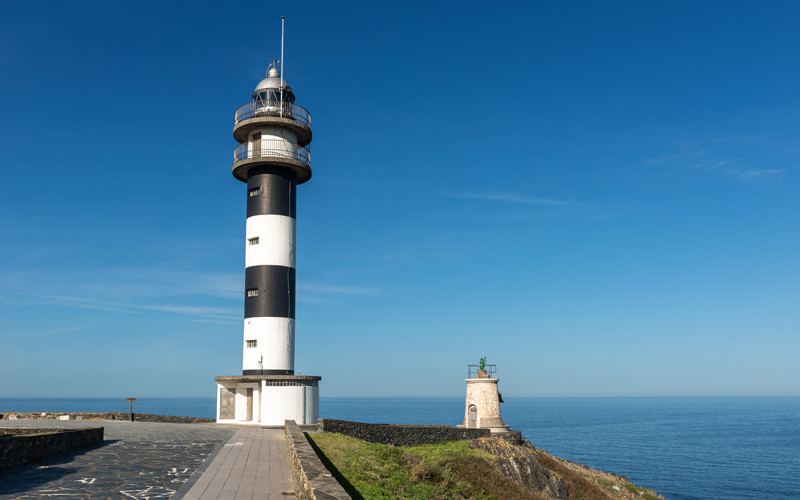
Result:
[{"x": 600, "y": 197}]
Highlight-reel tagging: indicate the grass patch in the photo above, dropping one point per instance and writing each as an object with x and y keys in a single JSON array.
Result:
[
  {"x": 632, "y": 488},
  {"x": 643, "y": 492},
  {"x": 441, "y": 471}
]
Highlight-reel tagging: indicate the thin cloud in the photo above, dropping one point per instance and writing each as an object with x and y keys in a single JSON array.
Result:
[
  {"x": 317, "y": 288},
  {"x": 719, "y": 164},
  {"x": 158, "y": 282},
  {"x": 766, "y": 173},
  {"x": 216, "y": 313},
  {"x": 695, "y": 159},
  {"x": 681, "y": 158},
  {"x": 702, "y": 159},
  {"x": 514, "y": 198},
  {"x": 46, "y": 332},
  {"x": 321, "y": 294},
  {"x": 216, "y": 321},
  {"x": 126, "y": 285},
  {"x": 318, "y": 301}
]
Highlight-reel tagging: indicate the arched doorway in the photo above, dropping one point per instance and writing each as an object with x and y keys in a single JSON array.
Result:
[{"x": 472, "y": 416}]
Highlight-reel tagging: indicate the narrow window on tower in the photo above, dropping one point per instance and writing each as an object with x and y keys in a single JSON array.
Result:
[
  {"x": 254, "y": 191},
  {"x": 252, "y": 241},
  {"x": 252, "y": 292},
  {"x": 251, "y": 343}
]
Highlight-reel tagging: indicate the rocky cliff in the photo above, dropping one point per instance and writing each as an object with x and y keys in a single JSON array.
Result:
[{"x": 556, "y": 478}]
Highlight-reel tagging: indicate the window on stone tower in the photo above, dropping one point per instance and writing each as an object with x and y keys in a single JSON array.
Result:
[
  {"x": 254, "y": 191},
  {"x": 252, "y": 292},
  {"x": 252, "y": 241},
  {"x": 251, "y": 343}
]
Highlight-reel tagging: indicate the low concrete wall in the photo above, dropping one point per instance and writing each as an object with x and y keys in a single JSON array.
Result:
[
  {"x": 115, "y": 415},
  {"x": 400, "y": 435},
  {"x": 312, "y": 481},
  {"x": 16, "y": 450}
]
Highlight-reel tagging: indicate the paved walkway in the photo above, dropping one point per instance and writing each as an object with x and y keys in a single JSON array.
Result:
[
  {"x": 253, "y": 464},
  {"x": 140, "y": 460}
]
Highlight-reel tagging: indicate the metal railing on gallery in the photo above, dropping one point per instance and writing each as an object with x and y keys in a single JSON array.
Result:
[
  {"x": 491, "y": 370},
  {"x": 286, "y": 109},
  {"x": 273, "y": 149}
]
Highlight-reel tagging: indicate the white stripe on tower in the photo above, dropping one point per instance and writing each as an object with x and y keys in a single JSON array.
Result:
[
  {"x": 270, "y": 241},
  {"x": 275, "y": 344}
]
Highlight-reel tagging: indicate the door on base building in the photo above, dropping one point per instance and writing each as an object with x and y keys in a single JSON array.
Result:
[
  {"x": 472, "y": 416},
  {"x": 249, "y": 398},
  {"x": 227, "y": 403}
]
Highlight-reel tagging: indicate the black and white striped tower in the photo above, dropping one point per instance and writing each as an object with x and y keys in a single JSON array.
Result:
[{"x": 273, "y": 158}]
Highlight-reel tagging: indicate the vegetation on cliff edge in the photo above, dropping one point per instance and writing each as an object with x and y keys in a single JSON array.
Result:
[
  {"x": 441, "y": 471},
  {"x": 459, "y": 470}
]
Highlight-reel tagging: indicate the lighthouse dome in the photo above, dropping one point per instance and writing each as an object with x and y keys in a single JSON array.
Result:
[{"x": 269, "y": 87}]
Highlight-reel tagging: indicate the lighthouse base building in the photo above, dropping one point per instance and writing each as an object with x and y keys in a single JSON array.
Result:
[{"x": 267, "y": 399}]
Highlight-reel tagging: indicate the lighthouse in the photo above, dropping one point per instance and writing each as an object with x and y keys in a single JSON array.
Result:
[
  {"x": 482, "y": 410},
  {"x": 273, "y": 158}
]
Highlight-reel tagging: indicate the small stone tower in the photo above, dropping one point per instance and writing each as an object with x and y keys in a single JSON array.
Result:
[{"x": 482, "y": 408}]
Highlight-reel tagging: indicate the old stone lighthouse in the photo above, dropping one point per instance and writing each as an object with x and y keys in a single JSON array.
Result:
[
  {"x": 483, "y": 400},
  {"x": 273, "y": 158}
]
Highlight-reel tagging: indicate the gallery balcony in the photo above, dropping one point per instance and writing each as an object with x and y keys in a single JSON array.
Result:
[
  {"x": 272, "y": 152},
  {"x": 258, "y": 114}
]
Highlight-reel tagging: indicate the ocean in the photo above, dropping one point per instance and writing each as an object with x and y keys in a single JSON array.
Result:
[{"x": 693, "y": 448}]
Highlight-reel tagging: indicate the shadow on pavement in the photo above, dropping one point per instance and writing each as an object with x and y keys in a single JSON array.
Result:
[{"x": 28, "y": 477}]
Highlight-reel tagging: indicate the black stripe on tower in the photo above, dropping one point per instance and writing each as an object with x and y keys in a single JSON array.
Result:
[
  {"x": 275, "y": 292},
  {"x": 272, "y": 191}
]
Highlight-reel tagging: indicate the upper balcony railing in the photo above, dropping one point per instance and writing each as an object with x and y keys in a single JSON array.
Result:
[
  {"x": 273, "y": 149},
  {"x": 474, "y": 370},
  {"x": 286, "y": 109}
]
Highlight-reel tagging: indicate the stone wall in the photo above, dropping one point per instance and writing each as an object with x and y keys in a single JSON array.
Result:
[
  {"x": 400, "y": 435},
  {"x": 117, "y": 415},
  {"x": 20, "y": 449},
  {"x": 312, "y": 481}
]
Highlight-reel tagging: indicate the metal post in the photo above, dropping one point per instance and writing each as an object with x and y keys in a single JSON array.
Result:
[
  {"x": 131, "y": 400},
  {"x": 282, "y": 21}
]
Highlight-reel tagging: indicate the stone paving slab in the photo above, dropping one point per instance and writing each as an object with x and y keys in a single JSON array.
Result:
[
  {"x": 253, "y": 464},
  {"x": 137, "y": 460}
]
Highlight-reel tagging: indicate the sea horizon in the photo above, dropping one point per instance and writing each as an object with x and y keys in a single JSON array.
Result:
[{"x": 2, "y": 398}]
